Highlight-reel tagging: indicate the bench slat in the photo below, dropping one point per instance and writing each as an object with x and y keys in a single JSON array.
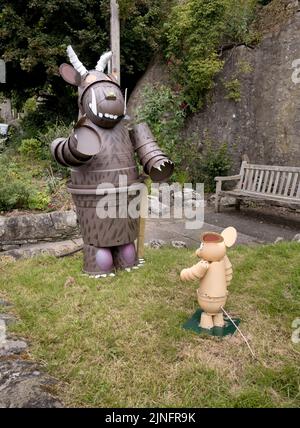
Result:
[
  {"x": 282, "y": 181},
  {"x": 260, "y": 183},
  {"x": 265, "y": 181},
  {"x": 254, "y": 184},
  {"x": 271, "y": 182},
  {"x": 296, "y": 176},
  {"x": 276, "y": 182},
  {"x": 273, "y": 168},
  {"x": 298, "y": 191},
  {"x": 288, "y": 183}
]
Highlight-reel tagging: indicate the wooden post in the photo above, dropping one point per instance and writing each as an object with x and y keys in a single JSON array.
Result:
[
  {"x": 142, "y": 223},
  {"x": 2, "y": 71},
  {"x": 115, "y": 39}
]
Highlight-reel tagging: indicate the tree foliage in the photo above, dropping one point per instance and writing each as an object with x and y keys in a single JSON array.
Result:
[{"x": 34, "y": 36}]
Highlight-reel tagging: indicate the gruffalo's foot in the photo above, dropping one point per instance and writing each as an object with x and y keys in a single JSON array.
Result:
[
  {"x": 98, "y": 261},
  {"x": 125, "y": 256}
]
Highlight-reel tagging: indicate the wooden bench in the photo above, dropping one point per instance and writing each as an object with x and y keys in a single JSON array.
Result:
[{"x": 277, "y": 184}]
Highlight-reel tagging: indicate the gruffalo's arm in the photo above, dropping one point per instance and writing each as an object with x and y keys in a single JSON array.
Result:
[
  {"x": 78, "y": 148},
  {"x": 154, "y": 161}
]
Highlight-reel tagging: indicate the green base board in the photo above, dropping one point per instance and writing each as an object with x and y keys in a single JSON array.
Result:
[{"x": 193, "y": 324}]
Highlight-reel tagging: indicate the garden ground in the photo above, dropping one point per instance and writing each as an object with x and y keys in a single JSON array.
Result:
[
  {"x": 120, "y": 342},
  {"x": 255, "y": 224}
]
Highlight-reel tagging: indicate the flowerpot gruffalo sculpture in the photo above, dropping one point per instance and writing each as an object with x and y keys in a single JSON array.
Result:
[{"x": 101, "y": 152}]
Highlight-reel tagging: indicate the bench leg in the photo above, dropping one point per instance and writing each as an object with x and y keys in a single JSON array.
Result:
[
  {"x": 218, "y": 203},
  {"x": 238, "y": 204}
]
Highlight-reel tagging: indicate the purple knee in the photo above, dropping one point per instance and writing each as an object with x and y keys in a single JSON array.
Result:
[
  {"x": 104, "y": 259},
  {"x": 128, "y": 253},
  {"x": 125, "y": 256}
]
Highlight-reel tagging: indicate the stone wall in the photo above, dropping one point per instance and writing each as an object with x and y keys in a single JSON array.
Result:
[
  {"x": 31, "y": 229},
  {"x": 265, "y": 123}
]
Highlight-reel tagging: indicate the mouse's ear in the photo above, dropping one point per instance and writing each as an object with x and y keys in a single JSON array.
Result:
[
  {"x": 230, "y": 236},
  {"x": 70, "y": 75}
]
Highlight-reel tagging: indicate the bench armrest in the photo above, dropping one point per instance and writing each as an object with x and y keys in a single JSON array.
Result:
[{"x": 229, "y": 178}]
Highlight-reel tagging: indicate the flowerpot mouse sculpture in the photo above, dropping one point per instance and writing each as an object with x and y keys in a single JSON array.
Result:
[
  {"x": 101, "y": 152},
  {"x": 215, "y": 274}
]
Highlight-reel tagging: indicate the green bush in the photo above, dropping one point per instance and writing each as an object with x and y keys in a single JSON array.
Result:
[
  {"x": 31, "y": 147},
  {"x": 214, "y": 162},
  {"x": 38, "y": 201},
  {"x": 38, "y": 147},
  {"x": 14, "y": 194},
  {"x": 164, "y": 112},
  {"x": 239, "y": 15},
  {"x": 19, "y": 188},
  {"x": 195, "y": 32},
  {"x": 53, "y": 131},
  {"x": 30, "y": 105},
  {"x": 233, "y": 88}
]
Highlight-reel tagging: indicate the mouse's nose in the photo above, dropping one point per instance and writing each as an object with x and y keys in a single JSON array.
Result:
[{"x": 110, "y": 96}]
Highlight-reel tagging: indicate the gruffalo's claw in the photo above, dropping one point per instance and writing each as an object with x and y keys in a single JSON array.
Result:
[{"x": 162, "y": 170}]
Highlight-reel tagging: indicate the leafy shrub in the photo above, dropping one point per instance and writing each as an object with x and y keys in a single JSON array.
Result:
[
  {"x": 39, "y": 146},
  {"x": 194, "y": 33},
  {"x": 214, "y": 162},
  {"x": 38, "y": 201},
  {"x": 31, "y": 147},
  {"x": 233, "y": 88},
  {"x": 34, "y": 122},
  {"x": 30, "y": 105},
  {"x": 53, "y": 131},
  {"x": 164, "y": 112},
  {"x": 56, "y": 130},
  {"x": 18, "y": 189},
  {"x": 239, "y": 14},
  {"x": 14, "y": 194}
]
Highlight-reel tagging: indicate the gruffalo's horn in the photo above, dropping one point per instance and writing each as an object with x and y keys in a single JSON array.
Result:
[
  {"x": 75, "y": 61},
  {"x": 103, "y": 61}
]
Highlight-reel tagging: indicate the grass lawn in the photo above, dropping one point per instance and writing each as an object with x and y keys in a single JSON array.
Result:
[{"x": 119, "y": 341}]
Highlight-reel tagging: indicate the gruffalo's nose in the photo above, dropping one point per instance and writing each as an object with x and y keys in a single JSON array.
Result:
[{"x": 111, "y": 95}]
